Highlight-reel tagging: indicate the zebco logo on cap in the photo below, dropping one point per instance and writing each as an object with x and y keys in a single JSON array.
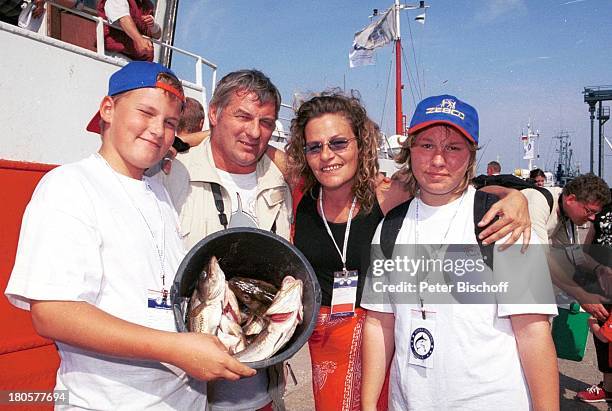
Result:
[{"x": 447, "y": 106}]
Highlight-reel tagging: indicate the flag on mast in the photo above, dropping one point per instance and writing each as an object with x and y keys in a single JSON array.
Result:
[
  {"x": 420, "y": 18},
  {"x": 374, "y": 35}
]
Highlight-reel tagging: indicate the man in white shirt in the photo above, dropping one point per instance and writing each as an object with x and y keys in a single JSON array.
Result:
[
  {"x": 136, "y": 19},
  {"x": 228, "y": 181}
]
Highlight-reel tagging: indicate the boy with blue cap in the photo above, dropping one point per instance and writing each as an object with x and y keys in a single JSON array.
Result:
[
  {"x": 497, "y": 354},
  {"x": 98, "y": 250}
]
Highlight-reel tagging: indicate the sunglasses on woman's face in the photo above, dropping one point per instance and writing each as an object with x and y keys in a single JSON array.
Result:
[{"x": 335, "y": 144}]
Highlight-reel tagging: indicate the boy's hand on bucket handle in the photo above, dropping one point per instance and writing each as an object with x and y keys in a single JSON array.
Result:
[{"x": 204, "y": 357}]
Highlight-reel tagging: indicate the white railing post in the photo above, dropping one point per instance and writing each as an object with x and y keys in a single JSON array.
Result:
[
  {"x": 198, "y": 69},
  {"x": 100, "y": 36},
  {"x": 205, "y": 105},
  {"x": 214, "y": 82}
]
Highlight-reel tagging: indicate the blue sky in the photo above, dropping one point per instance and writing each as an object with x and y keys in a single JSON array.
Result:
[{"x": 514, "y": 60}]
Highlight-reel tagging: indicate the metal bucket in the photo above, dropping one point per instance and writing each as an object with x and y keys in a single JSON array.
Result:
[{"x": 250, "y": 252}]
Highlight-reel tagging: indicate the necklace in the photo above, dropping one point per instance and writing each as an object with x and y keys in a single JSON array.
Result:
[
  {"x": 159, "y": 251},
  {"x": 346, "y": 231},
  {"x": 436, "y": 252},
  {"x": 416, "y": 234}
]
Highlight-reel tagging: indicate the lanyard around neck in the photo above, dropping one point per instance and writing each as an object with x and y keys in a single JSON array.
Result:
[
  {"x": 161, "y": 251},
  {"x": 346, "y": 232}
]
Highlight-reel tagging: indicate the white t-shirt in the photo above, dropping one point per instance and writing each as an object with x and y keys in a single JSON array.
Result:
[
  {"x": 244, "y": 185},
  {"x": 115, "y": 9},
  {"x": 247, "y": 393},
  {"x": 84, "y": 238},
  {"x": 476, "y": 364}
]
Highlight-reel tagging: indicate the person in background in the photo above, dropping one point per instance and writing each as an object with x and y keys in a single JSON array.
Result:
[
  {"x": 11, "y": 9},
  {"x": 600, "y": 239},
  {"x": 538, "y": 177},
  {"x": 136, "y": 19},
  {"x": 455, "y": 356},
  {"x": 98, "y": 250},
  {"x": 576, "y": 204},
  {"x": 493, "y": 168},
  {"x": 191, "y": 123},
  {"x": 333, "y": 153},
  {"x": 230, "y": 166},
  {"x": 188, "y": 134}
]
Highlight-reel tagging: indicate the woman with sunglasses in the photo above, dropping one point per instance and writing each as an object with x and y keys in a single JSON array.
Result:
[{"x": 333, "y": 153}]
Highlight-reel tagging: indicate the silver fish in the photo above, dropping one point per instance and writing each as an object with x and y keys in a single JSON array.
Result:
[
  {"x": 230, "y": 333},
  {"x": 254, "y": 325},
  {"x": 206, "y": 304},
  {"x": 285, "y": 313}
]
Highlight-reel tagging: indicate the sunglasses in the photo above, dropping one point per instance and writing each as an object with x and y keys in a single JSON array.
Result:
[
  {"x": 589, "y": 212},
  {"x": 335, "y": 145}
]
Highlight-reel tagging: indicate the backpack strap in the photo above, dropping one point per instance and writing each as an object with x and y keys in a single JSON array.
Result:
[
  {"x": 391, "y": 227},
  {"x": 482, "y": 202},
  {"x": 394, "y": 219},
  {"x": 216, "y": 191}
]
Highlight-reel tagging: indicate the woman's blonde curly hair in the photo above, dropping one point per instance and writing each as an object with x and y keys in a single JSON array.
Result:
[
  {"x": 365, "y": 130},
  {"x": 406, "y": 176}
]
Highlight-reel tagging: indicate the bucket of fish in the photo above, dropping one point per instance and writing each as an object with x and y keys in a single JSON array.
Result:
[{"x": 252, "y": 289}]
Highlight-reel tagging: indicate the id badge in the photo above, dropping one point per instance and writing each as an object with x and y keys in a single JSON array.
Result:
[
  {"x": 344, "y": 294},
  {"x": 577, "y": 254},
  {"x": 159, "y": 311},
  {"x": 422, "y": 339}
]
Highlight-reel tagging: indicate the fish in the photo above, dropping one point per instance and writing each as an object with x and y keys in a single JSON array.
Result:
[
  {"x": 230, "y": 333},
  {"x": 206, "y": 303},
  {"x": 256, "y": 295},
  {"x": 245, "y": 314},
  {"x": 284, "y": 315},
  {"x": 254, "y": 325},
  {"x": 230, "y": 305}
]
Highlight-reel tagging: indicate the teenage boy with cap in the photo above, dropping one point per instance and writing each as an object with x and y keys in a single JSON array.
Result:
[
  {"x": 457, "y": 356},
  {"x": 98, "y": 250}
]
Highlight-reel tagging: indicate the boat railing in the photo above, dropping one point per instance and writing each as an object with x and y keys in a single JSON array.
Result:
[
  {"x": 283, "y": 124},
  {"x": 199, "y": 61}
]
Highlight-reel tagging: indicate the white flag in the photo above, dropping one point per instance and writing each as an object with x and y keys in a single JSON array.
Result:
[
  {"x": 378, "y": 33},
  {"x": 359, "y": 56},
  {"x": 420, "y": 18},
  {"x": 528, "y": 150}
]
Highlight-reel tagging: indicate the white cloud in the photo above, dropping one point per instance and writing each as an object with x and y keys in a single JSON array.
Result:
[{"x": 491, "y": 10}]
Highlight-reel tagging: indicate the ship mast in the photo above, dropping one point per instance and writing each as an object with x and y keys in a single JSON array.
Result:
[
  {"x": 399, "y": 118},
  {"x": 529, "y": 141},
  {"x": 400, "y": 129},
  {"x": 564, "y": 170}
]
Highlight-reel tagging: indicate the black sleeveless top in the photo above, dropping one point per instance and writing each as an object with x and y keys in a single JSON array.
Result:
[{"x": 312, "y": 239}]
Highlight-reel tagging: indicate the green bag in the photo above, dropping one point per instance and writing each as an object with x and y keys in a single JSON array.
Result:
[{"x": 570, "y": 330}]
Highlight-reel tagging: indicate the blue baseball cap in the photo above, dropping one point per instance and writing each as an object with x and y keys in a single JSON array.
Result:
[
  {"x": 132, "y": 76},
  {"x": 446, "y": 109}
]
